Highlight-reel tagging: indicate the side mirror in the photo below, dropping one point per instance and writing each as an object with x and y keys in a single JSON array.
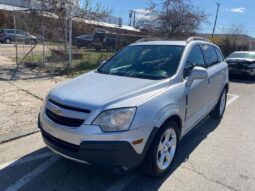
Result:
[{"x": 198, "y": 73}]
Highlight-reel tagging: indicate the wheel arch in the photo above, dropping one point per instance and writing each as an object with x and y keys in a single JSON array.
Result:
[{"x": 177, "y": 119}]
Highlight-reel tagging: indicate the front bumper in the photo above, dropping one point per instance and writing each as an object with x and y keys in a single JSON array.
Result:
[
  {"x": 100, "y": 153},
  {"x": 237, "y": 70}
]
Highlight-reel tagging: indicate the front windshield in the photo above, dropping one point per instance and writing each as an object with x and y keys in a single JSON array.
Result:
[
  {"x": 247, "y": 55},
  {"x": 144, "y": 61}
]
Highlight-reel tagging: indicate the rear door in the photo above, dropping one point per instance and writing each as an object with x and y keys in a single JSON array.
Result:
[{"x": 215, "y": 73}]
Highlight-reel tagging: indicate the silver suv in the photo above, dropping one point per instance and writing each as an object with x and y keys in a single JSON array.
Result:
[{"x": 136, "y": 107}]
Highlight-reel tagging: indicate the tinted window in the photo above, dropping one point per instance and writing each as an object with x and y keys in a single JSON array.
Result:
[
  {"x": 21, "y": 32},
  {"x": 149, "y": 62},
  {"x": 219, "y": 54},
  {"x": 11, "y": 31},
  {"x": 210, "y": 55},
  {"x": 195, "y": 59}
]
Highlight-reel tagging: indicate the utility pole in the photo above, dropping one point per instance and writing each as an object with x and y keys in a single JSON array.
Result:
[{"x": 218, "y": 6}]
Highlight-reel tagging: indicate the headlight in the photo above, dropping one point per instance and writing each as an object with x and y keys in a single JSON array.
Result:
[
  {"x": 252, "y": 66},
  {"x": 115, "y": 120}
]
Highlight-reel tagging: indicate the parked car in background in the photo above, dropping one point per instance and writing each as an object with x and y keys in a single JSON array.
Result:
[
  {"x": 8, "y": 36},
  {"x": 108, "y": 41},
  {"x": 137, "y": 106},
  {"x": 101, "y": 40},
  {"x": 85, "y": 40},
  {"x": 242, "y": 62}
]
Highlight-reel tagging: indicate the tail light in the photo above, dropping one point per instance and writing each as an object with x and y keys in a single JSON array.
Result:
[{"x": 1, "y": 34}]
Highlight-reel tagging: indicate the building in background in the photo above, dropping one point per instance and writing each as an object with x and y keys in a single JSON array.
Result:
[
  {"x": 20, "y": 8},
  {"x": 18, "y": 3}
]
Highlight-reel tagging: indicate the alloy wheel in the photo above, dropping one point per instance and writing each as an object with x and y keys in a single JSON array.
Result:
[{"x": 166, "y": 149}]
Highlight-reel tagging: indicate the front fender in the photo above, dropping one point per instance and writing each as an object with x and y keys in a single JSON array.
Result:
[{"x": 165, "y": 113}]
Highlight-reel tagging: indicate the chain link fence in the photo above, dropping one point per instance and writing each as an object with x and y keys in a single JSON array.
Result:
[{"x": 42, "y": 42}]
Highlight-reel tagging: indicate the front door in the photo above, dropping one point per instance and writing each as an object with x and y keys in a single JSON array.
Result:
[{"x": 197, "y": 95}]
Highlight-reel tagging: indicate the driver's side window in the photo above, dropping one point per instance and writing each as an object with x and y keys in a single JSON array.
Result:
[{"x": 195, "y": 58}]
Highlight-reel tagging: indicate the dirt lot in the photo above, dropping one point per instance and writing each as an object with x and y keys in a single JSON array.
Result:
[{"x": 21, "y": 94}]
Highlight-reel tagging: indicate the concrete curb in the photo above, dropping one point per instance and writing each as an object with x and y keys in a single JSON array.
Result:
[{"x": 12, "y": 136}]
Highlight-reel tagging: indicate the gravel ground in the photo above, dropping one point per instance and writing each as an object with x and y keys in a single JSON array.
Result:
[{"x": 21, "y": 98}]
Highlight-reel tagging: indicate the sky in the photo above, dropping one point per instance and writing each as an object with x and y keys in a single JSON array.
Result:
[{"x": 231, "y": 12}]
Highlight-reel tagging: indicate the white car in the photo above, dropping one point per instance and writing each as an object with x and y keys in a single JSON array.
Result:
[{"x": 242, "y": 62}]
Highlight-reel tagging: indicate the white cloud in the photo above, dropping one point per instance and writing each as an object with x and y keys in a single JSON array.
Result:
[{"x": 237, "y": 10}]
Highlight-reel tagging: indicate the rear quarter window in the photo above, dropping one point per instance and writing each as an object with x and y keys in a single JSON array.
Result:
[{"x": 210, "y": 55}]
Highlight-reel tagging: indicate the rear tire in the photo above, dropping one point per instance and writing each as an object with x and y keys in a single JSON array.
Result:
[
  {"x": 162, "y": 152},
  {"x": 219, "y": 110}
]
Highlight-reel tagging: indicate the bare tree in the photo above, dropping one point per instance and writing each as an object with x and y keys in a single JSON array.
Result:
[
  {"x": 233, "y": 40},
  {"x": 173, "y": 18},
  {"x": 56, "y": 12},
  {"x": 57, "y": 17}
]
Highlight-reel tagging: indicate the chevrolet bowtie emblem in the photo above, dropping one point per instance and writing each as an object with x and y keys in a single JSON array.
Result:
[{"x": 58, "y": 112}]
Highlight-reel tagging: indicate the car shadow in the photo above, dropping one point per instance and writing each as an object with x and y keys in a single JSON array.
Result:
[
  {"x": 64, "y": 175},
  {"x": 68, "y": 175},
  {"x": 244, "y": 79}
]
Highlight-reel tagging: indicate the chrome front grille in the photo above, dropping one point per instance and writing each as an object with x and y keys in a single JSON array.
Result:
[
  {"x": 66, "y": 121},
  {"x": 65, "y": 115}
]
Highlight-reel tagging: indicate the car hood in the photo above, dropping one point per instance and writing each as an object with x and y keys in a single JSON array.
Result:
[{"x": 93, "y": 90}]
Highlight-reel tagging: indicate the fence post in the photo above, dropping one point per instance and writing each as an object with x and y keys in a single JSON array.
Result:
[{"x": 70, "y": 42}]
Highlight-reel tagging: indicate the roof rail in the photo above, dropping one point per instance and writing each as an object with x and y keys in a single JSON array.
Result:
[
  {"x": 194, "y": 38},
  {"x": 148, "y": 39}
]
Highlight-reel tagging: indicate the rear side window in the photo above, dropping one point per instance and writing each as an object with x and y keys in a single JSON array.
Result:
[
  {"x": 219, "y": 54},
  {"x": 210, "y": 55},
  {"x": 195, "y": 58}
]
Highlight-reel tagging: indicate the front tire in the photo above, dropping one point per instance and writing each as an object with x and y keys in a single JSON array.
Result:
[
  {"x": 219, "y": 110},
  {"x": 8, "y": 41},
  {"x": 162, "y": 152}
]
